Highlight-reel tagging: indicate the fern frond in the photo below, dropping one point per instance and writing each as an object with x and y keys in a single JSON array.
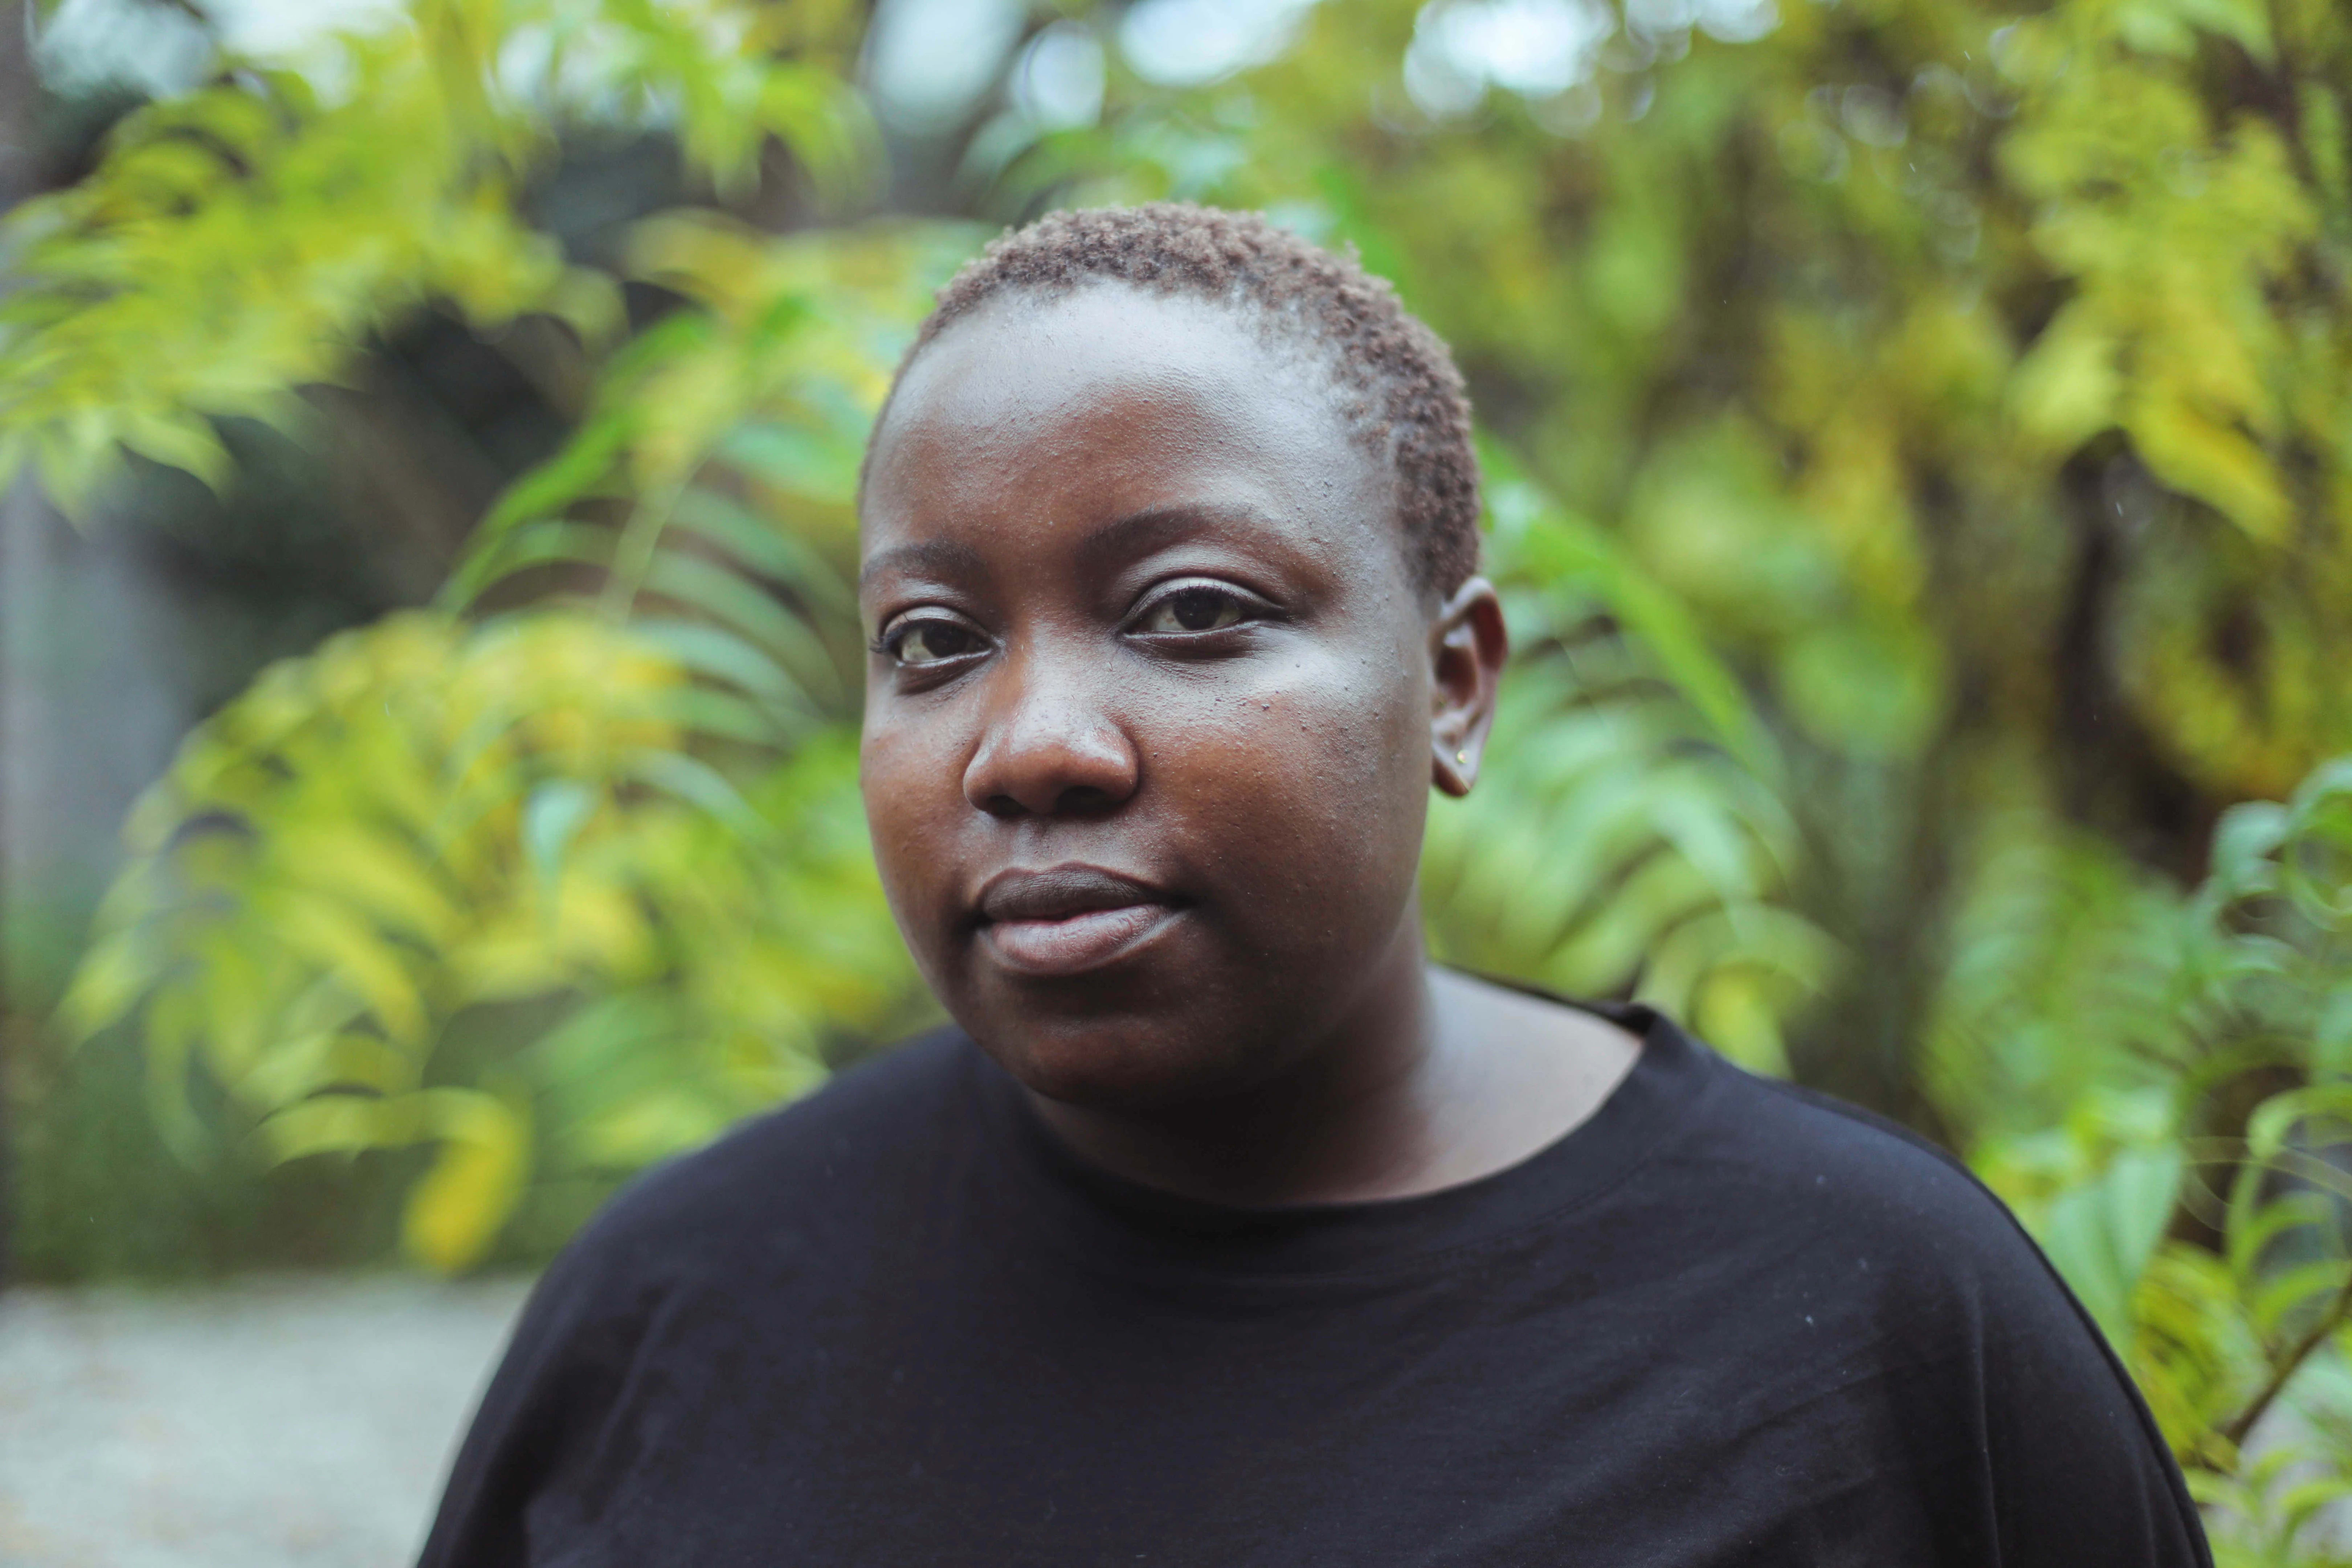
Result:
[
  {"x": 244, "y": 241},
  {"x": 424, "y": 820},
  {"x": 1625, "y": 834}
]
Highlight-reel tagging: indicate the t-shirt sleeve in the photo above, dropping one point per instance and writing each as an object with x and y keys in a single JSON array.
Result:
[
  {"x": 2018, "y": 1417},
  {"x": 562, "y": 1372},
  {"x": 2080, "y": 1477}
]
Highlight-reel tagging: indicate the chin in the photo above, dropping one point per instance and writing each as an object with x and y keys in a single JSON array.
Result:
[{"x": 1125, "y": 1063}]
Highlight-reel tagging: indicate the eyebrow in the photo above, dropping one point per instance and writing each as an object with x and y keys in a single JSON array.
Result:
[
  {"x": 931, "y": 557},
  {"x": 1106, "y": 548},
  {"x": 1139, "y": 534}
]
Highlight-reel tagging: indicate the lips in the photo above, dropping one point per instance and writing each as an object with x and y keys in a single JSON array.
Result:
[{"x": 1068, "y": 919}]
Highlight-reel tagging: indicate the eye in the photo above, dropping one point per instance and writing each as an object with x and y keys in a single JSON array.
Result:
[
  {"x": 930, "y": 642},
  {"x": 1194, "y": 609}
]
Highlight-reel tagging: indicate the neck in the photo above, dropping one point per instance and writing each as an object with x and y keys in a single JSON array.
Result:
[{"x": 1355, "y": 1117}]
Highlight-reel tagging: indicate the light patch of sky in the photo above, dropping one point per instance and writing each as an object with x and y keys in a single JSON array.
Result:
[
  {"x": 1058, "y": 82},
  {"x": 161, "y": 50},
  {"x": 582, "y": 69},
  {"x": 1534, "y": 47},
  {"x": 1187, "y": 43},
  {"x": 1542, "y": 48},
  {"x": 1733, "y": 21},
  {"x": 87, "y": 44},
  {"x": 929, "y": 62},
  {"x": 286, "y": 30}
]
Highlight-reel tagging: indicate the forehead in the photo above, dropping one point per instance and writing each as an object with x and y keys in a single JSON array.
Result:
[{"x": 1110, "y": 400}]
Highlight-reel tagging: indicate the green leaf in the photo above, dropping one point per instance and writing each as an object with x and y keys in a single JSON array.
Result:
[
  {"x": 747, "y": 608},
  {"x": 722, "y": 655},
  {"x": 2101, "y": 1235},
  {"x": 553, "y": 816},
  {"x": 454, "y": 1212},
  {"x": 762, "y": 545},
  {"x": 2267, "y": 1128},
  {"x": 796, "y": 460},
  {"x": 2285, "y": 1298}
]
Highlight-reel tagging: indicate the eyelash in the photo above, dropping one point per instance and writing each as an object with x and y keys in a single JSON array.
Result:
[
  {"x": 891, "y": 643},
  {"x": 1246, "y": 609}
]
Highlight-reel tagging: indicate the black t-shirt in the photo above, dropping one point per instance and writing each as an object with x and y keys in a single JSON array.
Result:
[{"x": 1724, "y": 1321}]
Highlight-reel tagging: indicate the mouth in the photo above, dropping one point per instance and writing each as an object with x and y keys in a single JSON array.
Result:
[{"x": 1067, "y": 919}]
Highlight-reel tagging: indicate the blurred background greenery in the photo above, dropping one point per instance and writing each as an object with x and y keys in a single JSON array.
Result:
[{"x": 1919, "y": 445}]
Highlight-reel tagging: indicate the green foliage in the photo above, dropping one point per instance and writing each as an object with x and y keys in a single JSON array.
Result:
[
  {"x": 242, "y": 241},
  {"x": 733, "y": 427},
  {"x": 631, "y": 807},
  {"x": 614, "y": 828},
  {"x": 425, "y": 819},
  {"x": 2194, "y": 1190},
  {"x": 1625, "y": 834}
]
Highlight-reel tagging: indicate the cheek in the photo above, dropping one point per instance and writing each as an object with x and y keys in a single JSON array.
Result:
[
  {"x": 1310, "y": 791},
  {"x": 908, "y": 810}
]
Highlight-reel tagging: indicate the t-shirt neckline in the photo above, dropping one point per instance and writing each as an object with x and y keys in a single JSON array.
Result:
[{"x": 1109, "y": 1222}]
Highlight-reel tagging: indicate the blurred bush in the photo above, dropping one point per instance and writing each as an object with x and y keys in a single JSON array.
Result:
[{"x": 1918, "y": 452}]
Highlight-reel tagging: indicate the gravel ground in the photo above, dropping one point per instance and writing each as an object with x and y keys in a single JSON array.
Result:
[{"x": 267, "y": 1424}]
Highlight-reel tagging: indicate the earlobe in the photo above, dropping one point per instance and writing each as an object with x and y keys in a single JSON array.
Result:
[
  {"x": 1468, "y": 644},
  {"x": 1455, "y": 775}
]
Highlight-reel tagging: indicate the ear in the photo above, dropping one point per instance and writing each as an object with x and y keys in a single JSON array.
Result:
[{"x": 1467, "y": 646}]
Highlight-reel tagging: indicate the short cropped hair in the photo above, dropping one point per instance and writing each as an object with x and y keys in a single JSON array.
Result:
[{"x": 1400, "y": 392}]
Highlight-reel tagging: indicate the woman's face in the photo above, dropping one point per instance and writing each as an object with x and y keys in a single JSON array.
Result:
[{"x": 1149, "y": 721}]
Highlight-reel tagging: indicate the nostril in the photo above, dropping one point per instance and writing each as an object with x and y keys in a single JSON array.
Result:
[
  {"x": 1083, "y": 800},
  {"x": 1038, "y": 763},
  {"x": 1079, "y": 800}
]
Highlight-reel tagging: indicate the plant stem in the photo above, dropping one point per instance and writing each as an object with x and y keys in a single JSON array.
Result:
[
  {"x": 2237, "y": 1426},
  {"x": 632, "y": 555}
]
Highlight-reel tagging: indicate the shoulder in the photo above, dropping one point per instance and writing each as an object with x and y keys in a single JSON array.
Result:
[
  {"x": 784, "y": 1181},
  {"x": 1866, "y": 1233},
  {"x": 1803, "y": 1141},
  {"x": 769, "y": 1221},
  {"x": 1867, "y": 1253},
  {"x": 1820, "y": 1176}
]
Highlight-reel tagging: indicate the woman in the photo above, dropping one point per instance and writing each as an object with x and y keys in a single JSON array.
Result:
[{"x": 1222, "y": 1228}]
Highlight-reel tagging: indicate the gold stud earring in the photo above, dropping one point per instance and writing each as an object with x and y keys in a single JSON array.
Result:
[{"x": 1463, "y": 758}]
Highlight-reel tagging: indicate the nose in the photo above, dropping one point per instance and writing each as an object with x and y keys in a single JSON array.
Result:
[{"x": 1049, "y": 748}]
